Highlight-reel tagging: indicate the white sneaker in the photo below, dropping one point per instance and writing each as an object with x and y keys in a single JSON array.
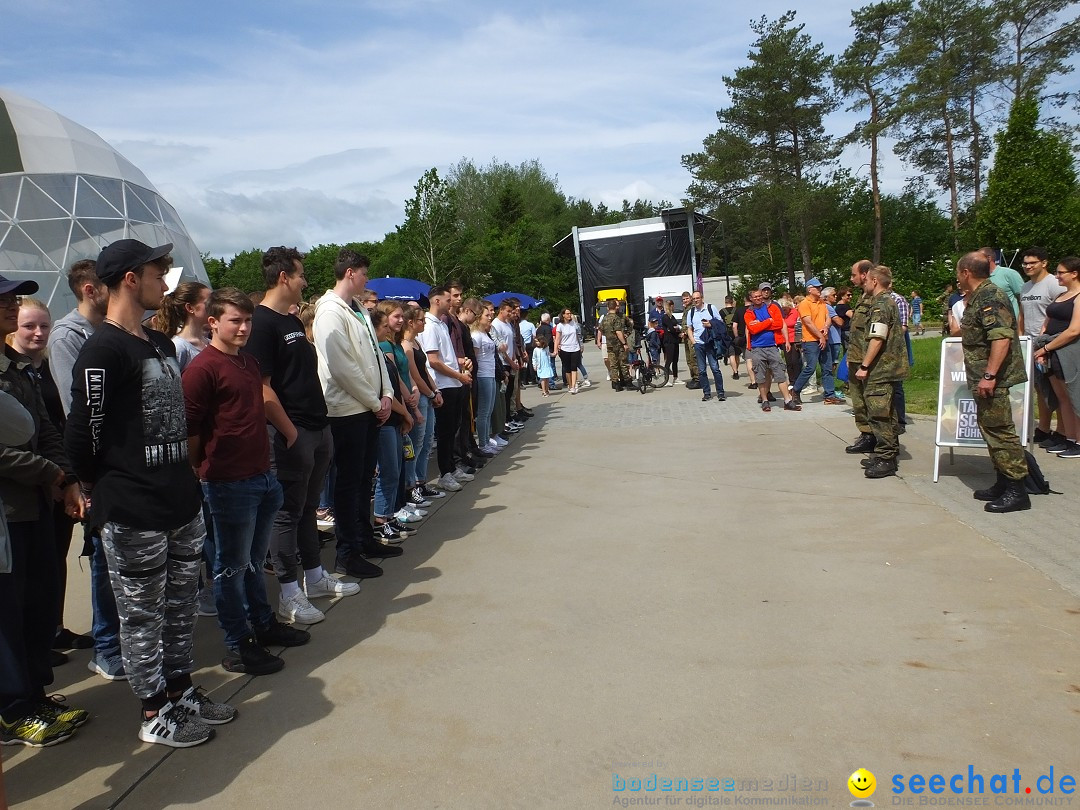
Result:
[
  {"x": 671, "y": 384},
  {"x": 406, "y": 516},
  {"x": 499, "y": 442},
  {"x": 413, "y": 509},
  {"x": 462, "y": 477},
  {"x": 331, "y": 586},
  {"x": 449, "y": 483},
  {"x": 297, "y": 608},
  {"x": 586, "y": 384},
  {"x": 608, "y": 378},
  {"x": 573, "y": 390}
]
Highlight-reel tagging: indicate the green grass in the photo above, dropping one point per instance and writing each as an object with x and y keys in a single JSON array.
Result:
[{"x": 921, "y": 386}]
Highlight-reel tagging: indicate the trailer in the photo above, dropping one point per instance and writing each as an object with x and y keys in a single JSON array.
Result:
[{"x": 644, "y": 257}]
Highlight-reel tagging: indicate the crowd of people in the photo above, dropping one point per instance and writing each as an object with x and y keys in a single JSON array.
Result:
[
  {"x": 210, "y": 445},
  {"x": 214, "y": 443}
]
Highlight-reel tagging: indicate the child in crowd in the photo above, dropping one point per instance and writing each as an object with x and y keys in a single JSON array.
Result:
[
  {"x": 541, "y": 361},
  {"x": 652, "y": 341}
]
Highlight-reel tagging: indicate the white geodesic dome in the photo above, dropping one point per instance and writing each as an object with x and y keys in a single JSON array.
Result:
[{"x": 65, "y": 194}]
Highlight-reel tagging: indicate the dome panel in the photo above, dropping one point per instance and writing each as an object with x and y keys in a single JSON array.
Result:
[
  {"x": 60, "y": 188},
  {"x": 51, "y": 237},
  {"x": 36, "y": 204},
  {"x": 90, "y": 203}
]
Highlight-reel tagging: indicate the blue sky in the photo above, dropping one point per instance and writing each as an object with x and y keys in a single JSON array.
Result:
[{"x": 293, "y": 122}]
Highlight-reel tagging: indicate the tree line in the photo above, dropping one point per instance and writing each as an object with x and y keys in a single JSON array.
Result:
[{"x": 945, "y": 84}]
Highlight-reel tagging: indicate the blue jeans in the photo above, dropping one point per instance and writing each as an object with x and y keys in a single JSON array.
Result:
[
  {"x": 485, "y": 403},
  {"x": 106, "y": 627},
  {"x": 706, "y": 353},
  {"x": 389, "y": 484},
  {"x": 426, "y": 435},
  {"x": 813, "y": 356},
  {"x": 326, "y": 500},
  {"x": 243, "y": 516}
]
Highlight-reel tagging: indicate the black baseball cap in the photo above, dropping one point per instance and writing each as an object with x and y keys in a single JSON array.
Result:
[
  {"x": 125, "y": 255},
  {"x": 17, "y": 287}
]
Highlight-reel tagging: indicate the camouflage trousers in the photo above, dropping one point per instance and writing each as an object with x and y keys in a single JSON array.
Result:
[
  {"x": 155, "y": 578},
  {"x": 881, "y": 416},
  {"x": 691, "y": 360},
  {"x": 857, "y": 395},
  {"x": 617, "y": 368},
  {"x": 995, "y": 418}
]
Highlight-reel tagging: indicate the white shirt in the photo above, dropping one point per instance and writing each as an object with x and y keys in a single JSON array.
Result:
[
  {"x": 485, "y": 354},
  {"x": 568, "y": 337},
  {"x": 436, "y": 338}
]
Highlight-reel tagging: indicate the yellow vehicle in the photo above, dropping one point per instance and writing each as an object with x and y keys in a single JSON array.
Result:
[{"x": 602, "y": 297}]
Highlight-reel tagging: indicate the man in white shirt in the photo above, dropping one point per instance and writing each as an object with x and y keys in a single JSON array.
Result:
[
  {"x": 452, "y": 382},
  {"x": 358, "y": 394},
  {"x": 699, "y": 323},
  {"x": 528, "y": 333},
  {"x": 1036, "y": 295}
]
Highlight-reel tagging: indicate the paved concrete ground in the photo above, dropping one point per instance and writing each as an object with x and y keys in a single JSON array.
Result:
[{"x": 643, "y": 585}]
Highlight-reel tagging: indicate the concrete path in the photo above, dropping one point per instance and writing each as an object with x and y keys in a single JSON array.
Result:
[{"x": 644, "y": 585}]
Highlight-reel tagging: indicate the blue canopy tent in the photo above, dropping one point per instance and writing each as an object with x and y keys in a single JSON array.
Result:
[
  {"x": 399, "y": 289},
  {"x": 527, "y": 301}
]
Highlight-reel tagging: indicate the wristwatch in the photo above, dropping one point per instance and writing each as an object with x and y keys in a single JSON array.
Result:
[
  {"x": 864, "y": 368},
  {"x": 989, "y": 376}
]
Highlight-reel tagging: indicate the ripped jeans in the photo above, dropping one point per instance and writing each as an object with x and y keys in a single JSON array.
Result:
[{"x": 242, "y": 513}]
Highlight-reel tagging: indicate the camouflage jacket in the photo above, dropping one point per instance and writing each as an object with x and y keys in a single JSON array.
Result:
[
  {"x": 857, "y": 336},
  {"x": 614, "y": 322},
  {"x": 891, "y": 362},
  {"x": 989, "y": 317}
]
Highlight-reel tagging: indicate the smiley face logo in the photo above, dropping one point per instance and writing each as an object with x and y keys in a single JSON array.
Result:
[{"x": 862, "y": 784}]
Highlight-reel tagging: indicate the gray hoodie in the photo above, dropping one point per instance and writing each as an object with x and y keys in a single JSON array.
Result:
[{"x": 65, "y": 342}]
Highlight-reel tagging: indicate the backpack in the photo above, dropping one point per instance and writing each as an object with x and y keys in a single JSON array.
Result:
[
  {"x": 1035, "y": 483},
  {"x": 719, "y": 334}
]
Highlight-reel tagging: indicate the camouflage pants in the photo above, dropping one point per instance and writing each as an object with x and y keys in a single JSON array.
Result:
[
  {"x": 857, "y": 394},
  {"x": 155, "y": 578},
  {"x": 691, "y": 360},
  {"x": 994, "y": 415},
  {"x": 616, "y": 355},
  {"x": 882, "y": 419}
]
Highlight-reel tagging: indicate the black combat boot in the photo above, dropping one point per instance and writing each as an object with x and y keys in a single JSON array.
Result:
[
  {"x": 994, "y": 492},
  {"x": 864, "y": 444},
  {"x": 1014, "y": 499},
  {"x": 881, "y": 468}
]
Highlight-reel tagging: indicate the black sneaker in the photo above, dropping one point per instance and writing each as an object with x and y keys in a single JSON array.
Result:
[
  {"x": 67, "y": 640},
  {"x": 771, "y": 397},
  {"x": 429, "y": 492},
  {"x": 277, "y": 634},
  {"x": 374, "y": 548},
  {"x": 1053, "y": 438},
  {"x": 401, "y": 528},
  {"x": 880, "y": 468},
  {"x": 1039, "y": 435},
  {"x": 416, "y": 498},
  {"x": 706, "y": 398},
  {"x": 721, "y": 397},
  {"x": 251, "y": 658},
  {"x": 386, "y": 533},
  {"x": 792, "y": 405},
  {"x": 357, "y": 566}
]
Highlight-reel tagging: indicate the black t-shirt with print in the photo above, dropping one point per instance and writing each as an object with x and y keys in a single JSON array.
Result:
[
  {"x": 287, "y": 357},
  {"x": 127, "y": 431}
]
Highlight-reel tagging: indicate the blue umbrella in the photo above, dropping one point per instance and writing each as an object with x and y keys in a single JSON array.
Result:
[
  {"x": 527, "y": 301},
  {"x": 399, "y": 289}
]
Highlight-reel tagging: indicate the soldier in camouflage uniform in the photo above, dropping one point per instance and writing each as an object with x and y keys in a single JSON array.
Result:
[
  {"x": 994, "y": 363},
  {"x": 883, "y": 366},
  {"x": 855, "y": 351},
  {"x": 688, "y": 344},
  {"x": 615, "y": 329}
]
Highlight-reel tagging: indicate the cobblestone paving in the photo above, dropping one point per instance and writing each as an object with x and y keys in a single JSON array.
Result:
[{"x": 600, "y": 407}]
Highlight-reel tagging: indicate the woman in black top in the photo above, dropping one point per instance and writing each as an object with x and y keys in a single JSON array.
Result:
[
  {"x": 1061, "y": 355},
  {"x": 30, "y": 339},
  {"x": 670, "y": 342}
]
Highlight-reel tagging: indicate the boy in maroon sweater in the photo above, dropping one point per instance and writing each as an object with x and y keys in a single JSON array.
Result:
[{"x": 228, "y": 446}]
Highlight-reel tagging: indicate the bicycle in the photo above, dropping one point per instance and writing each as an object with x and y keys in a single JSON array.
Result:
[{"x": 645, "y": 376}]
